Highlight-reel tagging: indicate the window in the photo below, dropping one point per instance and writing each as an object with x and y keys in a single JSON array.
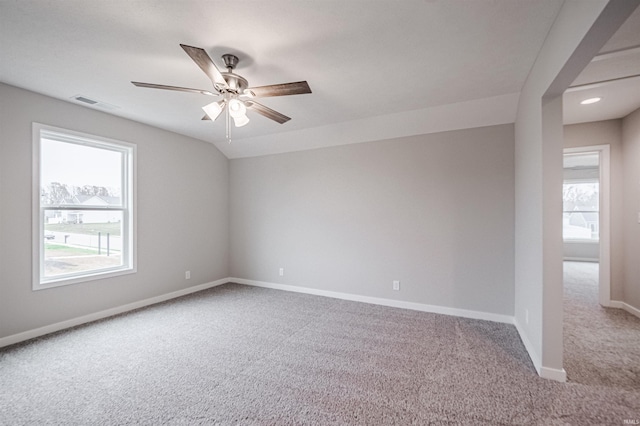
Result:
[
  {"x": 83, "y": 207},
  {"x": 581, "y": 215}
]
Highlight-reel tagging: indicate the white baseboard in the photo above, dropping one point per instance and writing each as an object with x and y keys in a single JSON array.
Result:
[
  {"x": 553, "y": 374},
  {"x": 581, "y": 259},
  {"x": 631, "y": 309},
  {"x": 37, "y": 332},
  {"x": 544, "y": 372},
  {"x": 622, "y": 305},
  {"x": 535, "y": 358},
  {"x": 609, "y": 304},
  {"x": 380, "y": 301}
]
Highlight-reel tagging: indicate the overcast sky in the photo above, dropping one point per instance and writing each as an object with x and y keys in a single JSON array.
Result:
[{"x": 79, "y": 165}]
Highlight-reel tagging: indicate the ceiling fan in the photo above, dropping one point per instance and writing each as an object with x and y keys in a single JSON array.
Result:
[{"x": 237, "y": 96}]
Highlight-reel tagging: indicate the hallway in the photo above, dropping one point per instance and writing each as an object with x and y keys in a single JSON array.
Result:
[{"x": 601, "y": 345}]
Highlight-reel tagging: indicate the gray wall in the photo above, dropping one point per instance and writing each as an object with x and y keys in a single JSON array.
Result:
[
  {"x": 182, "y": 213},
  {"x": 578, "y": 32},
  {"x": 631, "y": 161},
  {"x": 433, "y": 211},
  {"x": 607, "y": 132}
]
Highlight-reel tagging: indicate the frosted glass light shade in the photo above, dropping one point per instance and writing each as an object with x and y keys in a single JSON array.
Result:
[
  {"x": 237, "y": 108},
  {"x": 241, "y": 120},
  {"x": 214, "y": 109}
]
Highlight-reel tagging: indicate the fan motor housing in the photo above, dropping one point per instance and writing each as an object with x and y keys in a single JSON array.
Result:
[{"x": 236, "y": 82}]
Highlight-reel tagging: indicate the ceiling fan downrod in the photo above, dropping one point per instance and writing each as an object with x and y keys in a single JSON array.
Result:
[{"x": 230, "y": 61}]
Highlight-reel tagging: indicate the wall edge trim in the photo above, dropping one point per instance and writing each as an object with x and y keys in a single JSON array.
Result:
[
  {"x": 627, "y": 307},
  {"x": 463, "y": 313},
  {"x": 580, "y": 259},
  {"x": 544, "y": 372},
  {"x": 553, "y": 374},
  {"x": 73, "y": 322},
  {"x": 533, "y": 355}
]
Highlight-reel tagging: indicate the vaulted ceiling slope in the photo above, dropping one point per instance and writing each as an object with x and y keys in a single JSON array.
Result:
[
  {"x": 613, "y": 76},
  {"x": 376, "y": 68}
]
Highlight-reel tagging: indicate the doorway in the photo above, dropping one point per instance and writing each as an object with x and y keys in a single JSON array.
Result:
[{"x": 586, "y": 211}]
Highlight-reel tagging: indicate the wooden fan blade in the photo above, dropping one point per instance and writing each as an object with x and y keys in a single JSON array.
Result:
[
  {"x": 267, "y": 112},
  {"x": 202, "y": 59},
  {"x": 176, "y": 88},
  {"x": 286, "y": 89}
]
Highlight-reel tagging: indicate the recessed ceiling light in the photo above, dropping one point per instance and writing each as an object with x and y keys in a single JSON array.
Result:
[{"x": 590, "y": 101}]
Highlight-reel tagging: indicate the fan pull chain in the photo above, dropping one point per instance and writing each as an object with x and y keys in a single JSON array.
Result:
[{"x": 228, "y": 125}]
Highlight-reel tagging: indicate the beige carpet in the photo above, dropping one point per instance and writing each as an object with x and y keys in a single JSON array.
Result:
[
  {"x": 236, "y": 355},
  {"x": 602, "y": 345}
]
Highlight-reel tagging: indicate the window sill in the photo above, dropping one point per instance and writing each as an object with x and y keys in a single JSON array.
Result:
[
  {"x": 581, "y": 241},
  {"x": 63, "y": 281}
]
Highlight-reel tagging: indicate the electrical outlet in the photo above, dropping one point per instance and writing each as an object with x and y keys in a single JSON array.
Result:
[
  {"x": 187, "y": 275},
  {"x": 396, "y": 285},
  {"x": 281, "y": 272}
]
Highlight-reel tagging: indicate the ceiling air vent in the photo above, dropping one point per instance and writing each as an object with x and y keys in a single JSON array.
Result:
[
  {"x": 92, "y": 102},
  {"x": 85, "y": 100}
]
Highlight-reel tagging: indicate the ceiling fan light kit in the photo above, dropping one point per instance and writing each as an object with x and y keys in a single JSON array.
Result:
[
  {"x": 234, "y": 89},
  {"x": 237, "y": 109},
  {"x": 213, "y": 109}
]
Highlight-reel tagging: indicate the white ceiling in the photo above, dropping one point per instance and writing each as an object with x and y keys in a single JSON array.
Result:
[
  {"x": 619, "y": 58},
  {"x": 377, "y": 68}
]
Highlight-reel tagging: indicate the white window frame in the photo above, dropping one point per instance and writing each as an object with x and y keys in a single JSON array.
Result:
[
  {"x": 577, "y": 240},
  {"x": 128, "y": 208}
]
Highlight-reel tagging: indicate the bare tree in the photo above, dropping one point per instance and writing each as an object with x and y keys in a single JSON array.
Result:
[
  {"x": 92, "y": 190},
  {"x": 56, "y": 193}
]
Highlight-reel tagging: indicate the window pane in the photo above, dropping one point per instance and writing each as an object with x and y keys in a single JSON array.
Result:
[
  {"x": 581, "y": 219},
  {"x": 74, "y": 174},
  {"x": 582, "y": 196},
  {"x": 580, "y": 226},
  {"x": 86, "y": 193},
  {"x": 81, "y": 240}
]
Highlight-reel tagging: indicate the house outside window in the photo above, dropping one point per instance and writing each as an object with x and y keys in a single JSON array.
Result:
[
  {"x": 84, "y": 217},
  {"x": 581, "y": 215}
]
